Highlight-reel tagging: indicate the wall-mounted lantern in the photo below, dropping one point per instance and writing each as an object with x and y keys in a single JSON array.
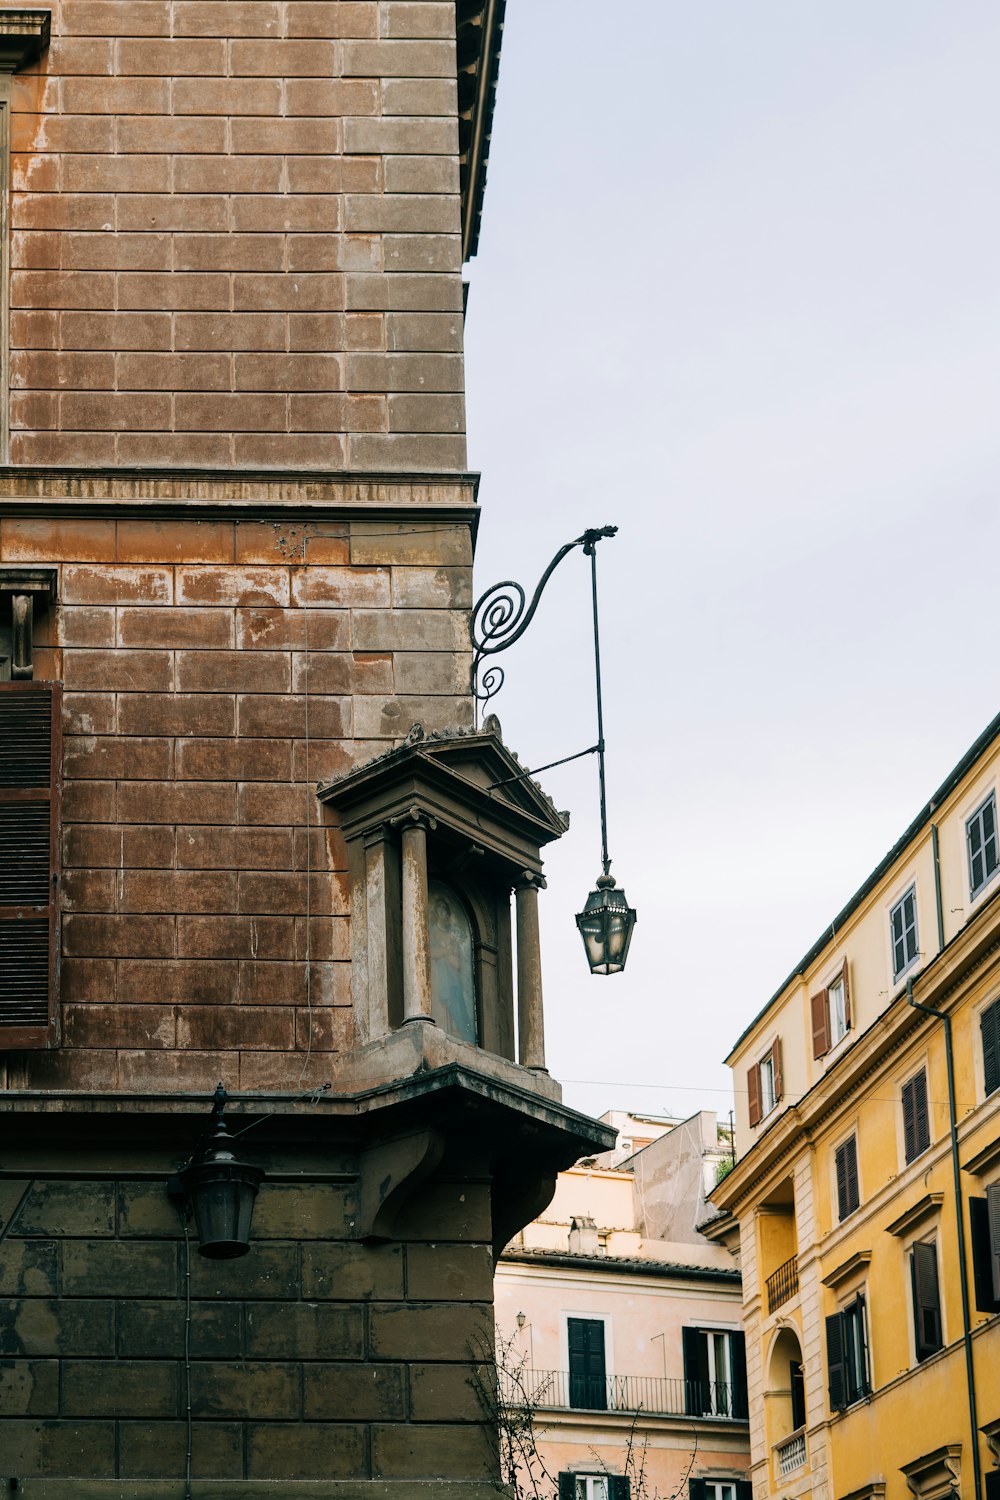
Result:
[
  {"x": 219, "y": 1190},
  {"x": 605, "y": 925},
  {"x": 500, "y": 617}
]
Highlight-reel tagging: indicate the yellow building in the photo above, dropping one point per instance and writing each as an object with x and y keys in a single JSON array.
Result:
[{"x": 866, "y": 1197}]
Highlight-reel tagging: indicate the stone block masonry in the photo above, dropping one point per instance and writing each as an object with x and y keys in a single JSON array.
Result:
[
  {"x": 309, "y": 1359},
  {"x": 236, "y": 237},
  {"x": 214, "y": 671}
]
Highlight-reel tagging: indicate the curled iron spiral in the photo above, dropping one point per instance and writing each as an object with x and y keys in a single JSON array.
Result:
[{"x": 501, "y": 615}]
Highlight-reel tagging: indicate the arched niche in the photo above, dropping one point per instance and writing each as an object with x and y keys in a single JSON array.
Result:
[{"x": 784, "y": 1389}]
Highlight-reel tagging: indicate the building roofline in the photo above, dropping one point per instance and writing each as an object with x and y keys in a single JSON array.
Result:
[
  {"x": 479, "y": 30},
  {"x": 923, "y": 817},
  {"x": 621, "y": 1264}
]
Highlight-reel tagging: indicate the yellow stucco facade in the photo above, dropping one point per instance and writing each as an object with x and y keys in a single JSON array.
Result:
[{"x": 871, "y": 1370}]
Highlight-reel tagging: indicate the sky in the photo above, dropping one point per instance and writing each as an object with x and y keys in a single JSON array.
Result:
[{"x": 737, "y": 293}]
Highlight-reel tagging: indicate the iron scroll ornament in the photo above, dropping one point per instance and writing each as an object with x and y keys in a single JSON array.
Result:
[{"x": 500, "y": 616}]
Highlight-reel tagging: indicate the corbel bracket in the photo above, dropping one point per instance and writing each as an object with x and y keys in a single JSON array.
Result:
[
  {"x": 24, "y": 36},
  {"x": 26, "y": 588},
  {"x": 390, "y": 1175}
]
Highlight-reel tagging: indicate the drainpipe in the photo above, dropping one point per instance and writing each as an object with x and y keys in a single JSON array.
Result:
[
  {"x": 938, "y": 904},
  {"x": 970, "y": 1373}
]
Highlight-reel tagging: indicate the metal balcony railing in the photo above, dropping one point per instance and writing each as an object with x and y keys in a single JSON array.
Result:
[
  {"x": 791, "y": 1454},
  {"x": 658, "y": 1395},
  {"x": 783, "y": 1284}
]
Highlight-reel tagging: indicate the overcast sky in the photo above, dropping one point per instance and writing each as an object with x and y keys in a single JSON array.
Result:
[{"x": 737, "y": 293}]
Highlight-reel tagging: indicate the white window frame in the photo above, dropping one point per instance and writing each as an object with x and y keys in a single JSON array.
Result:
[
  {"x": 908, "y": 962},
  {"x": 591, "y": 1486},
  {"x": 719, "y": 1340},
  {"x": 837, "y": 1013},
  {"x": 765, "y": 1072},
  {"x": 975, "y": 891},
  {"x": 716, "y": 1489}
]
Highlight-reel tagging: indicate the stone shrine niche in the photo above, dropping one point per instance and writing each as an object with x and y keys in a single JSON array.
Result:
[{"x": 440, "y": 831}]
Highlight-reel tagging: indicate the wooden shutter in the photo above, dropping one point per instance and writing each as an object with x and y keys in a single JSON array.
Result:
[
  {"x": 835, "y": 1362},
  {"x": 696, "y": 1392},
  {"x": 738, "y": 1351},
  {"x": 753, "y": 1091},
  {"x": 567, "y": 1486},
  {"x": 993, "y": 1484},
  {"x": 847, "y": 1178},
  {"x": 864, "y": 1374},
  {"x": 926, "y": 1300},
  {"x": 696, "y": 1489},
  {"x": 744, "y": 1489},
  {"x": 845, "y": 976},
  {"x": 820, "y": 1006},
  {"x": 916, "y": 1121},
  {"x": 776, "y": 1065},
  {"x": 982, "y": 1266},
  {"x": 990, "y": 1024},
  {"x": 587, "y": 1382},
  {"x": 619, "y": 1487},
  {"x": 30, "y": 785},
  {"x": 993, "y": 1222}
]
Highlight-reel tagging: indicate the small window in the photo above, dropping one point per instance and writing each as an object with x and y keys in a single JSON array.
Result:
[
  {"x": 453, "y": 987},
  {"x": 916, "y": 1118},
  {"x": 903, "y": 928},
  {"x": 847, "y": 1355},
  {"x": 720, "y": 1489},
  {"x": 594, "y": 1487},
  {"x": 764, "y": 1084},
  {"x": 848, "y": 1197},
  {"x": 715, "y": 1378},
  {"x": 831, "y": 1014},
  {"x": 981, "y": 842},
  {"x": 926, "y": 1300},
  {"x": 989, "y": 1022}
]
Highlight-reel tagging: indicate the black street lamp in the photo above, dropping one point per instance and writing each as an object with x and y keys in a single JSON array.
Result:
[
  {"x": 499, "y": 618},
  {"x": 219, "y": 1190}
]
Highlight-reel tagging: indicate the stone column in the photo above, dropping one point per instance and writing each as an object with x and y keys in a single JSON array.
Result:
[
  {"x": 530, "y": 1020},
  {"x": 416, "y": 938}
]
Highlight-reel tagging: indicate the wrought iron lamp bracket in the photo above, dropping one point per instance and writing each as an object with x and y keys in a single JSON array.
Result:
[{"x": 502, "y": 614}]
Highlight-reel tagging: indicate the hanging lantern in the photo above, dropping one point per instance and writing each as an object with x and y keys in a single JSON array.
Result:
[
  {"x": 606, "y": 924},
  {"x": 220, "y": 1190}
]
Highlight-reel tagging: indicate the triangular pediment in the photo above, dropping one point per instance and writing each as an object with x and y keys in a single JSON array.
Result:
[{"x": 471, "y": 766}]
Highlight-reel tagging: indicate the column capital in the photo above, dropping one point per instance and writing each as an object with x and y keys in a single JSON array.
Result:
[
  {"x": 414, "y": 817},
  {"x": 530, "y": 880}
]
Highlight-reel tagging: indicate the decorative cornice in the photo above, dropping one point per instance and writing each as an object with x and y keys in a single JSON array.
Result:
[
  {"x": 24, "y": 36},
  {"x": 848, "y": 1268},
  {"x": 929, "y": 1204},
  {"x": 983, "y": 1160}
]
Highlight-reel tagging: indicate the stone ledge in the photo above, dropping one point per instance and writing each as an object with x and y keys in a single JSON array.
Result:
[{"x": 258, "y": 1489}]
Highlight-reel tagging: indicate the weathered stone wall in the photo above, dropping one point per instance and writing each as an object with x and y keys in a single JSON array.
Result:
[
  {"x": 193, "y": 653},
  {"x": 236, "y": 236},
  {"x": 312, "y": 1358}
]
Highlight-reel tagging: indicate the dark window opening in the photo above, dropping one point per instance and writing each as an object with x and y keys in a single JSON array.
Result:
[{"x": 588, "y": 1387}]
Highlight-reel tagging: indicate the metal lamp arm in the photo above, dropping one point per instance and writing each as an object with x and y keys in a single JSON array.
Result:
[{"x": 501, "y": 615}]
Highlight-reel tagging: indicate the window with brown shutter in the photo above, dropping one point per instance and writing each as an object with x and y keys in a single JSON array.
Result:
[
  {"x": 30, "y": 782},
  {"x": 820, "y": 1006},
  {"x": 845, "y": 977},
  {"x": 753, "y": 1090},
  {"x": 776, "y": 1068},
  {"x": 916, "y": 1119},
  {"x": 848, "y": 1195},
  {"x": 926, "y": 1301}
]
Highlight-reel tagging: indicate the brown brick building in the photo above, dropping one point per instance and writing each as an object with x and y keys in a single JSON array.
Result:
[{"x": 236, "y": 535}]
